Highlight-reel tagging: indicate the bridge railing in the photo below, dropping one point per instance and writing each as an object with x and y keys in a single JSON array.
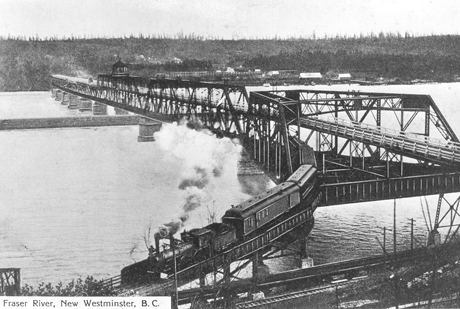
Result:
[
  {"x": 392, "y": 132},
  {"x": 411, "y": 145}
]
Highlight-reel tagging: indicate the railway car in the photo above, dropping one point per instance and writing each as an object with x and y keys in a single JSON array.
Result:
[
  {"x": 305, "y": 178},
  {"x": 256, "y": 212}
]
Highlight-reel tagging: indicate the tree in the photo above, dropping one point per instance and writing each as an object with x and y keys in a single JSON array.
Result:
[{"x": 79, "y": 287}]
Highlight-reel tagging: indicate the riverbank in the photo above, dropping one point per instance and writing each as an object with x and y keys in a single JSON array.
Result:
[
  {"x": 431, "y": 277},
  {"x": 68, "y": 122}
]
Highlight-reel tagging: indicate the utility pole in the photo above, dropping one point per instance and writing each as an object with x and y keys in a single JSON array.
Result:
[
  {"x": 384, "y": 239},
  {"x": 411, "y": 235},
  {"x": 385, "y": 252},
  {"x": 394, "y": 229},
  {"x": 176, "y": 293}
]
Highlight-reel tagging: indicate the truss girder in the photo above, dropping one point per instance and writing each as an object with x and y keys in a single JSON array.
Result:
[
  {"x": 391, "y": 188},
  {"x": 269, "y": 122},
  {"x": 410, "y": 145},
  {"x": 264, "y": 131}
]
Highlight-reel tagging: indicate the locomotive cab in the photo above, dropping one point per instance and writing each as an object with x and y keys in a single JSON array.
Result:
[{"x": 201, "y": 238}]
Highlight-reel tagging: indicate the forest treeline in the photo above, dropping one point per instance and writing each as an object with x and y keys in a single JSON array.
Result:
[{"x": 25, "y": 63}]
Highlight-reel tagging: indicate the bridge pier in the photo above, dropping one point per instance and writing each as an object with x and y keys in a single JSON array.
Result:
[
  {"x": 53, "y": 92},
  {"x": 85, "y": 105},
  {"x": 99, "y": 109},
  {"x": 259, "y": 269},
  {"x": 434, "y": 238},
  {"x": 73, "y": 102},
  {"x": 304, "y": 260},
  {"x": 119, "y": 111},
  {"x": 65, "y": 98},
  {"x": 58, "y": 95},
  {"x": 146, "y": 129}
]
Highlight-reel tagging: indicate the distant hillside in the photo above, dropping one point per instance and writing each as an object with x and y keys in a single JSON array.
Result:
[{"x": 25, "y": 63}]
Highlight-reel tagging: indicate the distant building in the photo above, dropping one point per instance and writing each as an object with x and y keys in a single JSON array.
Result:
[
  {"x": 120, "y": 69},
  {"x": 312, "y": 76},
  {"x": 273, "y": 73},
  {"x": 344, "y": 76},
  {"x": 257, "y": 71},
  {"x": 230, "y": 70},
  {"x": 177, "y": 60}
]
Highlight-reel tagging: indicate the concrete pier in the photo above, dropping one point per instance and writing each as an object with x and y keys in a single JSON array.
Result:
[
  {"x": 65, "y": 98},
  {"x": 99, "y": 109},
  {"x": 85, "y": 105},
  {"x": 74, "y": 102},
  {"x": 304, "y": 261},
  {"x": 119, "y": 111},
  {"x": 259, "y": 270},
  {"x": 146, "y": 129},
  {"x": 53, "y": 92},
  {"x": 58, "y": 95}
]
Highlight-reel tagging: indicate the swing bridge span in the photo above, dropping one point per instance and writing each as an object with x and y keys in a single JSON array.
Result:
[{"x": 369, "y": 146}]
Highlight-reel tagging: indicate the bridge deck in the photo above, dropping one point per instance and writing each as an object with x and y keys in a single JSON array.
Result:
[{"x": 410, "y": 145}]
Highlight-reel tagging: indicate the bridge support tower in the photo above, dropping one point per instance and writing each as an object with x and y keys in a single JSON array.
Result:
[
  {"x": 58, "y": 95},
  {"x": 85, "y": 105},
  {"x": 74, "y": 101},
  {"x": 146, "y": 129},
  {"x": 65, "y": 98},
  {"x": 119, "y": 111},
  {"x": 99, "y": 109},
  {"x": 304, "y": 261},
  {"x": 259, "y": 269}
]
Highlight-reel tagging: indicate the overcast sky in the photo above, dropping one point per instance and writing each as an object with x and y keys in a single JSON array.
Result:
[{"x": 227, "y": 18}]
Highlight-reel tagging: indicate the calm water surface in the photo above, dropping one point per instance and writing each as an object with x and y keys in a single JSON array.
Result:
[{"x": 77, "y": 202}]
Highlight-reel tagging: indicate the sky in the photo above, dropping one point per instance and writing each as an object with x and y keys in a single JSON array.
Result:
[{"x": 228, "y": 19}]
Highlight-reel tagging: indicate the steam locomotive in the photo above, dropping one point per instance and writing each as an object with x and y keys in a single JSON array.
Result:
[{"x": 239, "y": 223}]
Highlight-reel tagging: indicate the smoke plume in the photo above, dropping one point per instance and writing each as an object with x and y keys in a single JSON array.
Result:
[{"x": 209, "y": 165}]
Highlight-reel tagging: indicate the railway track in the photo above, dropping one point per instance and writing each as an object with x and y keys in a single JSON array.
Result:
[{"x": 289, "y": 296}]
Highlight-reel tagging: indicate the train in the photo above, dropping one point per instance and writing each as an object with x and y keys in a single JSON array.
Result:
[{"x": 239, "y": 224}]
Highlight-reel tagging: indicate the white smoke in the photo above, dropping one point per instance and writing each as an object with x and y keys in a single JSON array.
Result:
[{"x": 209, "y": 170}]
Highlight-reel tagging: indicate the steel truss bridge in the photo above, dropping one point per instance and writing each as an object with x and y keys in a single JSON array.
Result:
[{"x": 369, "y": 146}]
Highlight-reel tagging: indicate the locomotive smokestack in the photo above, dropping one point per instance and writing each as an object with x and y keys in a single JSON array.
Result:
[{"x": 157, "y": 237}]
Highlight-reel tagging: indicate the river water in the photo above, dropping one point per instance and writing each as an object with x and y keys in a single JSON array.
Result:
[{"x": 80, "y": 201}]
